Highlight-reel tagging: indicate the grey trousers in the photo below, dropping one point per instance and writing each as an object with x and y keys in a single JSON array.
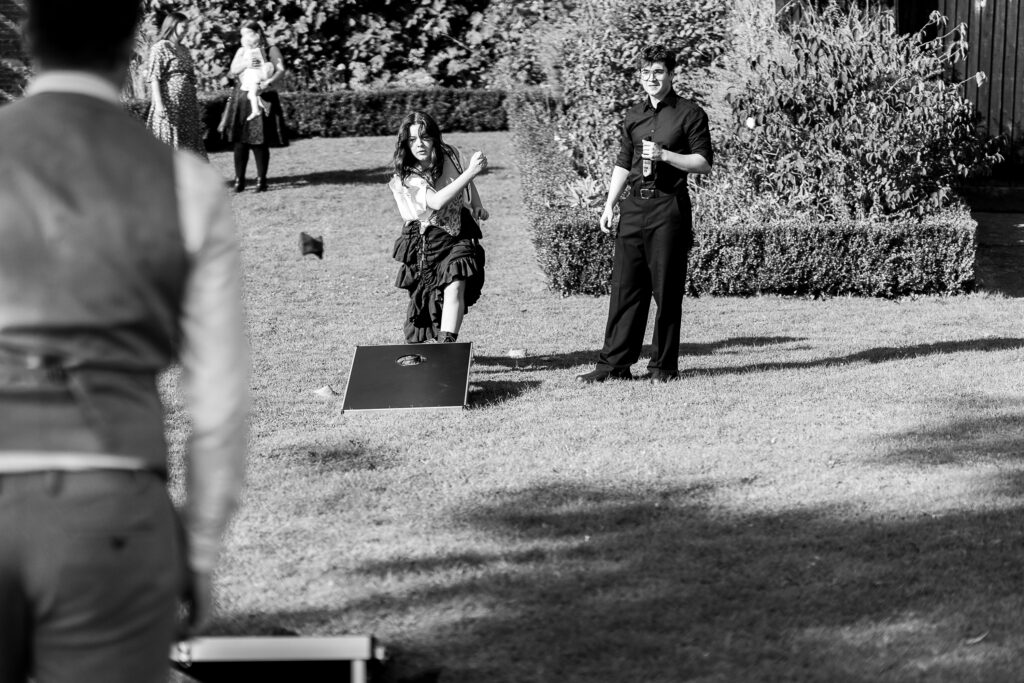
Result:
[{"x": 91, "y": 570}]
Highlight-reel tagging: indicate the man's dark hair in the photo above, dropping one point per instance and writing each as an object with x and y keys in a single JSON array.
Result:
[
  {"x": 657, "y": 53},
  {"x": 70, "y": 34}
]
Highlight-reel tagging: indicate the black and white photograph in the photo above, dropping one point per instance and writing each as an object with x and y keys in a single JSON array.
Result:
[{"x": 504, "y": 341}]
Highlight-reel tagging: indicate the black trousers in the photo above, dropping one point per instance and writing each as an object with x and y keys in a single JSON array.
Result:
[
  {"x": 655, "y": 236},
  {"x": 261, "y": 154}
]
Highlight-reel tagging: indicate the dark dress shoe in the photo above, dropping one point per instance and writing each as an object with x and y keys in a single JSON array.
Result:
[
  {"x": 239, "y": 184},
  {"x": 603, "y": 373},
  {"x": 261, "y": 185},
  {"x": 660, "y": 376}
]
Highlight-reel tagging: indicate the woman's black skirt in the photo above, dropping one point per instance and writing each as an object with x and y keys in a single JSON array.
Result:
[
  {"x": 266, "y": 129},
  {"x": 431, "y": 262}
]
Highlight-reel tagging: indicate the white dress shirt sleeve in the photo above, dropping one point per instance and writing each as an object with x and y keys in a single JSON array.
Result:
[
  {"x": 214, "y": 359},
  {"x": 411, "y": 198}
]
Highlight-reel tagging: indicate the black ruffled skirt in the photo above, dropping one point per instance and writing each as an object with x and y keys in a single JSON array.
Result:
[
  {"x": 431, "y": 262},
  {"x": 266, "y": 129}
]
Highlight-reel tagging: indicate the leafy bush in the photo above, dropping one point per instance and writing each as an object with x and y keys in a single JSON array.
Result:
[
  {"x": 599, "y": 46},
  {"x": 856, "y": 122},
  {"x": 813, "y": 257},
  {"x": 354, "y": 44},
  {"x": 574, "y": 255},
  {"x": 753, "y": 31},
  {"x": 512, "y": 42},
  {"x": 544, "y": 169},
  {"x": 378, "y": 112}
]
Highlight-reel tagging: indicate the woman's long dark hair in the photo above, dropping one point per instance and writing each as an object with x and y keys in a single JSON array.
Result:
[
  {"x": 405, "y": 163},
  {"x": 170, "y": 23}
]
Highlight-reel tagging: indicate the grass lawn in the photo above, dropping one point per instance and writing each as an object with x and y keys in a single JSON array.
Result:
[{"x": 833, "y": 492}]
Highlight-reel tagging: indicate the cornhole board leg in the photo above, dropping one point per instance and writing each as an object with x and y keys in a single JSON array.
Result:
[
  {"x": 274, "y": 658},
  {"x": 409, "y": 376}
]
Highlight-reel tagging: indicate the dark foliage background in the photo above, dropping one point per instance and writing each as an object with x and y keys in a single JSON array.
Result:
[{"x": 355, "y": 44}]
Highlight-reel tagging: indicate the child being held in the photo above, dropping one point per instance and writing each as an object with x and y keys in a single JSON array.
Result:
[{"x": 259, "y": 70}]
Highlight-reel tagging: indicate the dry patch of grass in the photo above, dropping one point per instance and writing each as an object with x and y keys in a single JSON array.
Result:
[{"x": 832, "y": 492}]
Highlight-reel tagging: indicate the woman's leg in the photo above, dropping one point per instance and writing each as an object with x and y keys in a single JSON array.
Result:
[
  {"x": 262, "y": 156},
  {"x": 453, "y": 308},
  {"x": 241, "y": 161}
]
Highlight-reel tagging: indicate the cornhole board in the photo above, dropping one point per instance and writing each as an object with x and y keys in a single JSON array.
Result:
[
  {"x": 272, "y": 659},
  {"x": 409, "y": 376}
]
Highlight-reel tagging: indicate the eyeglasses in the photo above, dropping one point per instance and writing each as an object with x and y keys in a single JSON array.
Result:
[{"x": 647, "y": 73}]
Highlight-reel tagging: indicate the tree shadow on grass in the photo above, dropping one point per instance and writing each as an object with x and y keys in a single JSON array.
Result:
[
  {"x": 487, "y": 393},
  {"x": 595, "y": 584},
  {"x": 573, "y": 359},
  {"x": 344, "y": 456},
  {"x": 576, "y": 583},
  {"x": 979, "y": 429},
  {"x": 881, "y": 354},
  {"x": 361, "y": 176},
  {"x": 606, "y": 585}
]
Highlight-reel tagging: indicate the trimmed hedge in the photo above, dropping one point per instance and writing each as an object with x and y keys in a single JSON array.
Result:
[
  {"x": 362, "y": 112},
  {"x": 806, "y": 258},
  {"x": 795, "y": 257},
  {"x": 573, "y": 253}
]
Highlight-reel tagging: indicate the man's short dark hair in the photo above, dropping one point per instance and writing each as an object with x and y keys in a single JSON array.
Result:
[
  {"x": 657, "y": 53},
  {"x": 80, "y": 34}
]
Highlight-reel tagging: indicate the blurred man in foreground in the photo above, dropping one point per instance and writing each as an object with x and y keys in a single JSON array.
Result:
[{"x": 117, "y": 256}]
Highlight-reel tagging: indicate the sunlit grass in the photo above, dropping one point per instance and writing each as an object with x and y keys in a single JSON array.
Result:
[{"x": 832, "y": 492}]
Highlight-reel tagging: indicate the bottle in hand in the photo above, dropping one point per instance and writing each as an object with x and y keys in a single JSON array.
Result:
[{"x": 648, "y": 167}]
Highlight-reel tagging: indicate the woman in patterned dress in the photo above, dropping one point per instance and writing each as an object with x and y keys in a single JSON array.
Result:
[
  {"x": 439, "y": 248},
  {"x": 174, "y": 114}
]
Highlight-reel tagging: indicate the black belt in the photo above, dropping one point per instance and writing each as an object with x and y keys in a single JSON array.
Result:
[{"x": 651, "y": 193}]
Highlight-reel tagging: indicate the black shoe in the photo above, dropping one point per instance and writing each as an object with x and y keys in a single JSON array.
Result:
[
  {"x": 261, "y": 184},
  {"x": 239, "y": 184},
  {"x": 660, "y": 376},
  {"x": 600, "y": 374}
]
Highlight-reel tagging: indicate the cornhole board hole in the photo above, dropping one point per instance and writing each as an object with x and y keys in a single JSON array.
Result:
[
  {"x": 404, "y": 376},
  {"x": 272, "y": 659}
]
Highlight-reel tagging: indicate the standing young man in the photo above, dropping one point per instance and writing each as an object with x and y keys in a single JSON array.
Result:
[
  {"x": 668, "y": 137},
  {"x": 117, "y": 256}
]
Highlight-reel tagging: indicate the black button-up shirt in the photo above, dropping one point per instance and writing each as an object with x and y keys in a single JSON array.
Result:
[{"x": 678, "y": 125}]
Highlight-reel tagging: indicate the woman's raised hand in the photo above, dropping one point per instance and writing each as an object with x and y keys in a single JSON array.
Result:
[{"x": 477, "y": 164}]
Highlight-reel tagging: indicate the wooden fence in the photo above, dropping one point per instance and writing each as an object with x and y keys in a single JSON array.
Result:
[{"x": 995, "y": 47}]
